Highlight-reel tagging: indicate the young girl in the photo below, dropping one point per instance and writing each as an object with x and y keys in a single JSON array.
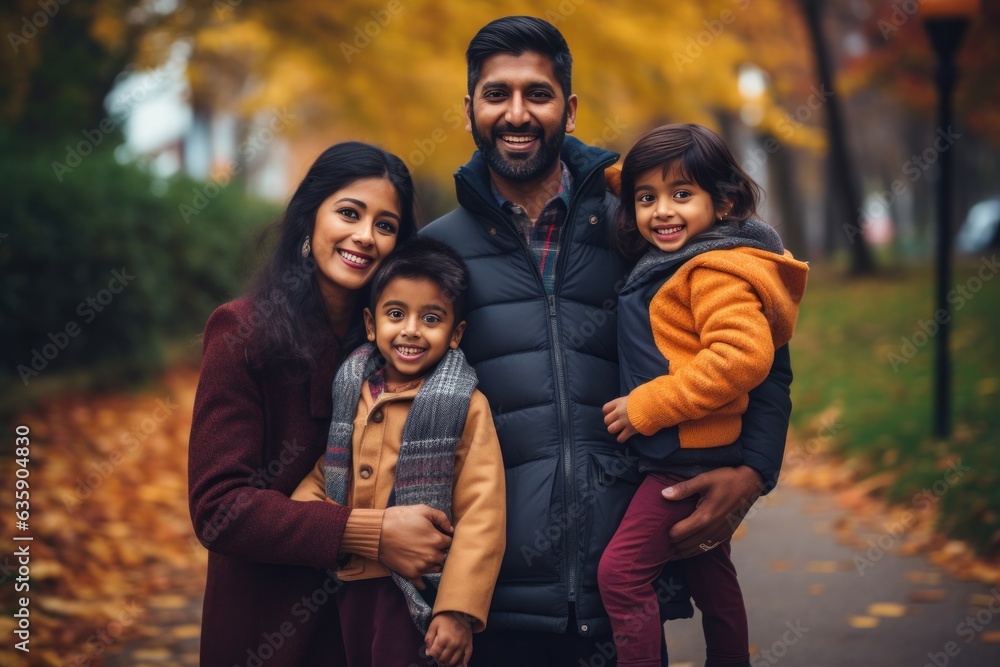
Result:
[{"x": 699, "y": 318}]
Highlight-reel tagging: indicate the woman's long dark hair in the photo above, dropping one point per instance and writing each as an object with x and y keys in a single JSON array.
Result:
[
  {"x": 703, "y": 157},
  {"x": 288, "y": 306}
]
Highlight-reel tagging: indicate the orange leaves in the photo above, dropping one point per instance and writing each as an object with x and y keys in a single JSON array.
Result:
[{"x": 112, "y": 538}]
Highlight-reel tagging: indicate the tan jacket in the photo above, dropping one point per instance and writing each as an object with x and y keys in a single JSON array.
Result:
[{"x": 479, "y": 505}]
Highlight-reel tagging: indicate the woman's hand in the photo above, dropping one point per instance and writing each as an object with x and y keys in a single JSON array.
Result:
[
  {"x": 616, "y": 419},
  {"x": 414, "y": 540}
]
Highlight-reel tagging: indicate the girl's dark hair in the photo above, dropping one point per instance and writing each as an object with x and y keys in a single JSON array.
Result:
[
  {"x": 285, "y": 295},
  {"x": 703, "y": 158},
  {"x": 430, "y": 259},
  {"x": 516, "y": 35}
]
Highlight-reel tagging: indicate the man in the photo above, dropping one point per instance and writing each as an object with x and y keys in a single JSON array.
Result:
[{"x": 534, "y": 226}]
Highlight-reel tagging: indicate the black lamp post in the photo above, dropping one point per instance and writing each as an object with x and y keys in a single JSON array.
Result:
[{"x": 945, "y": 21}]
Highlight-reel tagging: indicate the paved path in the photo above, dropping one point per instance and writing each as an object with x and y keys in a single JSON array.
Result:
[{"x": 810, "y": 607}]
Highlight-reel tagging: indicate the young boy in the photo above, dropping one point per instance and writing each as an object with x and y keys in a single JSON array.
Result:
[{"x": 421, "y": 434}]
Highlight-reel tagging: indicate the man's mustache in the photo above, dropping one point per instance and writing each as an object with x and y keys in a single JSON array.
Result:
[{"x": 523, "y": 129}]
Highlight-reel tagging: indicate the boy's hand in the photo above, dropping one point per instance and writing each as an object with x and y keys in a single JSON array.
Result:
[
  {"x": 616, "y": 419},
  {"x": 449, "y": 640}
]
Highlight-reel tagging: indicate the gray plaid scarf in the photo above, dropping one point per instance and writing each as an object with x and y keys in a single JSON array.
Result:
[{"x": 426, "y": 465}]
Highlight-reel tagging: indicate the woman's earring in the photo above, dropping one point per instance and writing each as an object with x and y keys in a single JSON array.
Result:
[{"x": 306, "y": 248}]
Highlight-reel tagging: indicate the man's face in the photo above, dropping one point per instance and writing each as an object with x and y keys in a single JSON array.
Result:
[{"x": 519, "y": 116}]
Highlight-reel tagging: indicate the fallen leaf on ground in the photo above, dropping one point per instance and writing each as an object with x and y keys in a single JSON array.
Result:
[
  {"x": 925, "y": 578},
  {"x": 928, "y": 595},
  {"x": 887, "y": 609},
  {"x": 823, "y": 566}
]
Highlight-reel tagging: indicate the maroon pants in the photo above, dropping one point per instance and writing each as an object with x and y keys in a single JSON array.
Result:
[
  {"x": 634, "y": 560},
  {"x": 377, "y": 627}
]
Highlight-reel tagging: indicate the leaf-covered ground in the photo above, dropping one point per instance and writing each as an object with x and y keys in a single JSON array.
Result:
[{"x": 113, "y": 560}]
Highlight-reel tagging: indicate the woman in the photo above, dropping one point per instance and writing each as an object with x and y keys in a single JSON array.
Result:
[{"x": 262, "y": 414}]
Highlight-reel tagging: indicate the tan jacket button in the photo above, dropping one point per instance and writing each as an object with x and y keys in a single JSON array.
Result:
[
  {"x": 377, "y": 416},
  {"x": 365, "y": 472}
]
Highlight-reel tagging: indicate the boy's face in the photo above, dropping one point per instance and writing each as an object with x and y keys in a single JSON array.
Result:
[{"x": 413, "y": 326}]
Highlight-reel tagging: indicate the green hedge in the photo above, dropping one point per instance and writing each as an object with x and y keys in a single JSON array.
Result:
[{"x": 103, "y": 265}]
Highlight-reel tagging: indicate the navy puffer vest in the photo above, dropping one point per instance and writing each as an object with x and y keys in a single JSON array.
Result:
[{"x": 548, "y": 364}]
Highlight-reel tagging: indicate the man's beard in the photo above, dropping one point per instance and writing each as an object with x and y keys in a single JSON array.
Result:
[{"x": 519, "y": 168}]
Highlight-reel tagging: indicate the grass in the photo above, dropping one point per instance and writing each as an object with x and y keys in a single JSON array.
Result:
[{"x": 861, "y": 359}]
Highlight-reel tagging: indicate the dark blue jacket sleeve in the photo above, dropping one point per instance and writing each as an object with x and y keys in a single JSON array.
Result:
[{"x": 765, "y": 423}]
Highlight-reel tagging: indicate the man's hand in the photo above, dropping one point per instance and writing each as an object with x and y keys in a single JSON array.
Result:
[
  {"x": 726, "y": 495},
  {"x": 616, "y": 419},
  {"x": 414, "y": 540},
  {"x": 449, "y": 639}
]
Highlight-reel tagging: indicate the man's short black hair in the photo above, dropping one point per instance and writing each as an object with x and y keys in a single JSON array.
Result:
[
  {"x": 429, "y": 259},
  {"x": 516, "y": 35}
]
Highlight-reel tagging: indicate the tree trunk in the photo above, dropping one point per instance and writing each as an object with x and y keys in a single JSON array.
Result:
[{"x": 844, "y": 186}]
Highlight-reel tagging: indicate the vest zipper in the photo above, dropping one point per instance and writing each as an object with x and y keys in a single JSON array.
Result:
[
  {"x": 569, "y": 459},
  {"x": 571, "y": 557}
]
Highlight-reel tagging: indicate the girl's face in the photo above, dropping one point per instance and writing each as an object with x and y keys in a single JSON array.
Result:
[
  {"x": 355, "y": 229},
  {"x": 671, "y": 210}
]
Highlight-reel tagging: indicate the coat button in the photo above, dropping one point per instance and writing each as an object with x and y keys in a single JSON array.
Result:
[
  {"x": 377, "y": 416},
  {"x": 593, "y": 219},
  {"x": 584, "y": 627},
  {"x": 493, "y": 231},
  {"x": 365, "y": 472}
]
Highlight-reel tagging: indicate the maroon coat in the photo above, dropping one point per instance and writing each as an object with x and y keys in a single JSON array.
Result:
[{"x": 255, "y": 435}]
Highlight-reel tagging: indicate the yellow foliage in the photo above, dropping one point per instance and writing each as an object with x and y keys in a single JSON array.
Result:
[{"x": 393, "y": 71}]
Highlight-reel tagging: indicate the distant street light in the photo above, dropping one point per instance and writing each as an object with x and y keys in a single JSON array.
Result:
[{"x": 945, "y": 21}]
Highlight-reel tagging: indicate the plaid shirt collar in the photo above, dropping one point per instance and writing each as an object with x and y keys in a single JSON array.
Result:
[
  {"x": 563, "y": 195},
  {"x": 541, "y": 235}
]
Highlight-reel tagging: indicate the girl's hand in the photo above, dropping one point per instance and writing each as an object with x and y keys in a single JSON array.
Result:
[
  {"x": 449, "y": 640},
  {"x": 616, "y": 419}
]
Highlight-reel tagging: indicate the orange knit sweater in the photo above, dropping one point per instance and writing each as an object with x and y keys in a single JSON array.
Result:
[{"x": 718, "y": 320}]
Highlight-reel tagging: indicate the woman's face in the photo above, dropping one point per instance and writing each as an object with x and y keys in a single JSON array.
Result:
[{"x": 355, "y": 229}]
